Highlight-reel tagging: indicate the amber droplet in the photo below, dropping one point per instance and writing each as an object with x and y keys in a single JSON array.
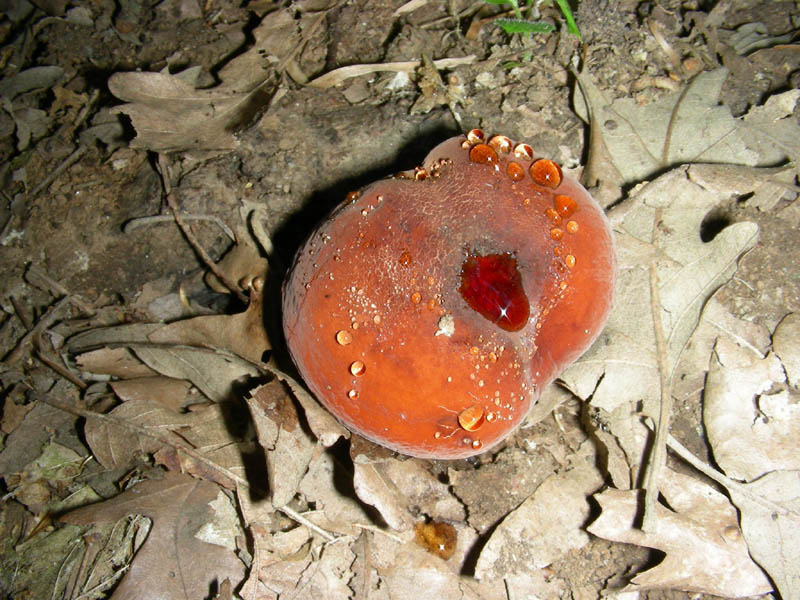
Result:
[
  {"x": 546, "y": 172},
  {"x": 565, "y": 206},
  {"x": 515, "y": 171},
  {"x": 358, "y": 368},
  {"x": 471, "y": 418},
  {"x": 483, "y": 154},
  {"x": 501, "y": 143},
  {"x": 492, "y": 286},
  {"x": 556, "y": 233},
  {"x": 416, "y": 297},
  {"x": 553, "y": 215},
  {"x": 476, "y": 136},
  {"x": 352, "y": 196},
  {"x": 570, "y": 260},
  {"x": 344, "y": 337},
  {"x": 523, "y": 151},
  {"x": 405, "y": 258},
  {"x": 437, "y": 538},
  {"x": 572, "y": 226}
]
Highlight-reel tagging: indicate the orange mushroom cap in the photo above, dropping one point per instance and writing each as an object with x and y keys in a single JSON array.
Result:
[{"x": 428, "y": 311}]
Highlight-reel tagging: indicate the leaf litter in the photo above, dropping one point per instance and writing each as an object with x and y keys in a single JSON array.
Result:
[{"x": 246, "y": 480}]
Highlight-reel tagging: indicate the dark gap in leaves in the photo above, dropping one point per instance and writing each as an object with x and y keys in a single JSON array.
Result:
[
  {"x": 474, "y": 553},
  {"x": 713, "y": 223}
]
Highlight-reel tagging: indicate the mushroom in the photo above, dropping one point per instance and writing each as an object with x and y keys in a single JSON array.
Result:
[{"x": 429, "y": 310}]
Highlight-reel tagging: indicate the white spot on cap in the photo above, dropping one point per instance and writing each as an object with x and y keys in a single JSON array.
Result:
[{"x": 447, "y": 326}]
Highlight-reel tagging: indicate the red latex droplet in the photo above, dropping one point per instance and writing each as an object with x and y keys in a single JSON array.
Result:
[
  {"x": 492, "y": 286},
  {"x": 483, "y": 154},
  {"x": 546, "y": 172}
]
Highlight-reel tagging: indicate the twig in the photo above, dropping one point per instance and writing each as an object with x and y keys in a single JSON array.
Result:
[
  {"x": 84, "y": 112},
  {"x": 262, "y": 237},
  {"x": 37, "y": 277},
  {"x": 342, "y": 73},
  {"x": 723, "y": 480},
  {"x": 190, "y": 237},
  {"x": 374, "y": 529},
  {"x": 65, "y": 164},
  {"x": 181, "y": 447},
  {"x": 26, "y": 322},
  {"x": 27, "y": 339},
  {"x": 138, "y": 222},
  {"x": 658, "y": 453},
  {"x": 60, "y": 370}
]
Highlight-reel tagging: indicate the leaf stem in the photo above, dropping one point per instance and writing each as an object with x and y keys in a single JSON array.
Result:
[{"x": 658, "y": 453}]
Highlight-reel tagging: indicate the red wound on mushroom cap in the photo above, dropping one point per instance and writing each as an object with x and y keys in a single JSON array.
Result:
[
  {"x": 492, "y": 286},
  {"x": 429, "y": 310}
]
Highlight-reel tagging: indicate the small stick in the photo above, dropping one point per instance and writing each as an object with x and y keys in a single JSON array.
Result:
[
  {"x": 60, "y": 370},
  {"x": 37, "y": 277},
  {"x": 35, "y": 331},
  {"x": 725, "y": 481},
  {"x": 65, "y": 164},
  {"x": 26, "y": 322},
  {"x": 658, "y": 454},
  {"x": 138, "y": 222}
]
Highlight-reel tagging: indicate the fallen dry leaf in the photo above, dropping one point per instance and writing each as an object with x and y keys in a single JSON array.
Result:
[
  {"x": 772, "y": 130},
  {"x": 662, "y": 224},
  {"x": 170, "y": 115},
  {"x": 212, "y": 351},
  {"x": 172, "y": 563},
  {"x": 172, "y": 394},
  {"x": 324, "y": 425},
  {"x": 772, "y": 528},
  {"x": 705, "y": 551},
  {"x": 214, "y": 372},
  {"x": 116, "y": 362},
  {"x": 715, "y": 321},
  {"x": 750, "y": 431},
  {"x": 544, "y": 527},
  {"x": 687, "y": 126},
  {"x": 344, "y": 73},
  {"x": 402, "y": 489},
  {"x": 242, "y": 333},
  {"x": 786, "y": 343},
  {"x": 242, "y": 263},
  {"x": 337, "y": 512},
  {"x": 141, "y": 427},
  {"x": 290, "y": 565},
  {"x": 286, "y": 443}
]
